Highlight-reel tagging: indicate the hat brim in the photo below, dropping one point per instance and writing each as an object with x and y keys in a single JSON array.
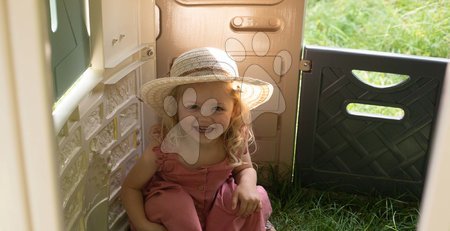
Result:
[{"x": 254, "y": 92}]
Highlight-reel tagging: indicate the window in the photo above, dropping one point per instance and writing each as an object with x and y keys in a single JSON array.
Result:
[{"x": 69, "y": 39}]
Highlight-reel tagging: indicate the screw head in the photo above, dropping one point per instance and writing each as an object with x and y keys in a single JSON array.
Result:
[{"x": 150, "y": 52}]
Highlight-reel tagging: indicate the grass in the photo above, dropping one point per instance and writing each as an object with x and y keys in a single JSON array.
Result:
[
  {"x": 415, "y": 27},
  {"x": 296, "y": 208},
  {"x": 306, "y": 209}
]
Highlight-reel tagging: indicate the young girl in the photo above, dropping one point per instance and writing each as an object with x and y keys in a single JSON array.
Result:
[{"x": 197, "y": 173}]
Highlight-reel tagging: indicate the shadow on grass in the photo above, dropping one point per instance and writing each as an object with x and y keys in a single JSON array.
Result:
[{"x": 297, "y": 208}]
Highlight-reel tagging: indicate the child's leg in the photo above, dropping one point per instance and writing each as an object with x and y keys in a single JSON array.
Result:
[
  {"x": 222, "y": 217},
  {"x": 173, "y": 208}
]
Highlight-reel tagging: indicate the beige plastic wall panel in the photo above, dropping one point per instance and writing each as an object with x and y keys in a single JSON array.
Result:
[
  {"x": 121, "y": 223},
  {"x": 70, "y": 145},
  {"x": 62, "y": 134},
  {"x": 266, "y": 151},
  {"x": 97, "y": 182},
  {"x": 128, "y": 118},
  {"x": 116, "y": 178},
  {"x": 120, "y": 30},
  {"x": 76, "y": 222},
  {"x": 79, "y": 225},
  {"x": 74, "y": 162},
  {"x": 276, "y": 51},
  {"x": 74, "y": 174},
  {"x": 265, "y": 125},
  {"x": 73, "y": 120},
  {"x": 120, "y": 152},
  {"x": 73, "y": 208},
  {"x": 93, "y": 120},
  {"x": 118, "y": 174},
  {"x": 129, "y": 163},
  {"x": 230, "y": 2},
  {"x": 119, "y": 93},
  {"x": 115, "y": 210},
  {"x": 104, "y": 139},
  {"x": 69, "y": 125},
  {"x": 258, "y": 67},
  {"x": 148, "y": 21},
  {"x": 93, "y": 98},
  {"x": 97, "y": 218}
]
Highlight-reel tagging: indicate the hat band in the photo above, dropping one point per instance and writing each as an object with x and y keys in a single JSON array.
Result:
[{"x": 214, "y": 71}]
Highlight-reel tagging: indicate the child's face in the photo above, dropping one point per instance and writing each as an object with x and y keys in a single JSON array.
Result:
[{"x": 205, "y": 110}]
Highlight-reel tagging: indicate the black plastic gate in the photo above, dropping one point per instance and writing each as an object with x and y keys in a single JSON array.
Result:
[{"x": 344, "y": 151}]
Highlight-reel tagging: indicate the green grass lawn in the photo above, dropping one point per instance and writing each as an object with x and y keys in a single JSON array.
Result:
[
  {"x": 297, "y": 208},
  {"x": 413, "y": 27},
  {"x": 307, "y": 209}
]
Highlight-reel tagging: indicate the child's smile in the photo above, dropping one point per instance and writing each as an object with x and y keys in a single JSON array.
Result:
[
  {"x": 205, "y": 110},
  {"x": 203, "y": 129}
]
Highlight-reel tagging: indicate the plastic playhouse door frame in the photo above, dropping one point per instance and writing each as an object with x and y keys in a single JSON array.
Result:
[
  {"x": 27, "y": 162},
  {"x": 436, "y": 202}
]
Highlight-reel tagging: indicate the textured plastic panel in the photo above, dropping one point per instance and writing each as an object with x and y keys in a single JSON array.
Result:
[
  {"x": 96, "y": 151},
  {"x": 340, "y": 151},
  {"x": 117, "y": 94}
]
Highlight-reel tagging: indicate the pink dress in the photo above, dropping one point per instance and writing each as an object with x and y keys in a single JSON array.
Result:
[{"x": 182, "y": 198}]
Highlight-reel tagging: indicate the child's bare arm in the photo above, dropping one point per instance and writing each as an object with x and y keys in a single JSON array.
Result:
[
  {"x": 131, "y": 192},
  {"x": 246, "y": 195},
  {"x": 241, "y": 171}
]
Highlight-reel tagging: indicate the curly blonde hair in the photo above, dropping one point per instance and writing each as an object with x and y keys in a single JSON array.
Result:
[{"x": 237, "y": 138}]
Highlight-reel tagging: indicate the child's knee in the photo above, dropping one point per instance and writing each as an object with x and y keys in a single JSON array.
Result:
[
  {"x": 165, "y": 202},
  {"x": 165, "y": 207},
  {"x": 265, "y": 201},
  {"x": 224, "y": 197}
]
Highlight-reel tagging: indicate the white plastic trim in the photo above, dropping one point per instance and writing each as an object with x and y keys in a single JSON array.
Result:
[
  {"x": 69, "y": 102},
  {"x": 114, "y": 62},
  {"x": 34, "y": 204},
  {"x": 125, "y": 71},
  {"x": 13, "y": 194}
]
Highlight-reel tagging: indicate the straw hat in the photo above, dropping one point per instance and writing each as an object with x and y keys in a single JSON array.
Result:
[{"x": 205, "y": 65}]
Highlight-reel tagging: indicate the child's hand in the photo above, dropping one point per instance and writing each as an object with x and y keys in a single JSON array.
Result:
[{"x": 248, "y": 198}]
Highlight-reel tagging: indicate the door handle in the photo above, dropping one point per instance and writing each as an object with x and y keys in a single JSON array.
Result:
[{"x": 251, "y": 23}]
